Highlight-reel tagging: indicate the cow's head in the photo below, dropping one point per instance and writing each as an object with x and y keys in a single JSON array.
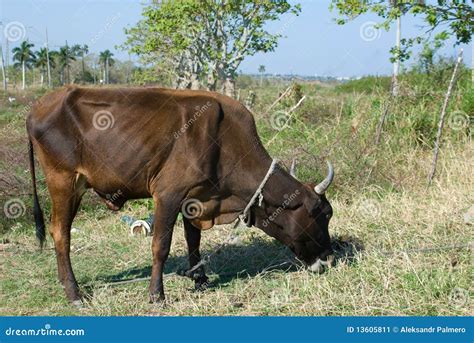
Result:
[{"x": 301, "y": 222}]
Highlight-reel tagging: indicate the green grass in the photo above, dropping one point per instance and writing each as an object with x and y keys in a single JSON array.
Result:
[
  {"x": 367, "y": 84},
  {"x": 383, "y": 213}
]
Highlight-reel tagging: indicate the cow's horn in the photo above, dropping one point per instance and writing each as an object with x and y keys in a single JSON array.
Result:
[
  {"x": 324, "y": 185},
  {"x": 293, "y": 168}
]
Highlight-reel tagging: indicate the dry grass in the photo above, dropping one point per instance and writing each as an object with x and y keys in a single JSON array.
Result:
[{"x": 373, "y": 283}]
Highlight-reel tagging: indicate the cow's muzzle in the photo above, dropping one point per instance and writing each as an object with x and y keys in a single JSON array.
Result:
[{"x": 319, "y": 266}]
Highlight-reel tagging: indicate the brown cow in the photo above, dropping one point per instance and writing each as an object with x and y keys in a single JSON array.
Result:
[{"x": 177, "y": 147}]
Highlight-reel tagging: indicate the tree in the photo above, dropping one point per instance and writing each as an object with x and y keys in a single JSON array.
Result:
[
  {"x": 426, "y": 59},
  {"x": 25, "y": 58},
  {"x": 84, "y": 52},
  {"x": 81, "y": 51},
  {"x": 454, "y": 18},
  {"x": 93, "y": 61},
  {"x": 398, "y": 42},
  {"x": 42, "y": 62},
  {"x": 240, "y": 31},
  {"x": 207, "y": 40},
  {"x": 65, "y": 56},
  {"x": 261, "y": 70},
  {"x": 75, "y": 49},
  {"x": 4, "y": 74},
  {"x": 396, "y": 62},
  {"x": 164, "y": 38},
  {"x": 105, "y": 58}
]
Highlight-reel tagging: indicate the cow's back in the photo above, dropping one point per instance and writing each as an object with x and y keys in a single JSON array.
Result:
[{"x": 120, "y": 139}]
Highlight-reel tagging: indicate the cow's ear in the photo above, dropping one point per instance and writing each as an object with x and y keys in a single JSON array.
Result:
[{"x": 312, "y": 203}]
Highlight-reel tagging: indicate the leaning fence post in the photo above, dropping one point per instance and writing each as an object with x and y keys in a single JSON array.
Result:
[
  {"x": 441, "y": 119},
  {"x": 279, "y": 98}
]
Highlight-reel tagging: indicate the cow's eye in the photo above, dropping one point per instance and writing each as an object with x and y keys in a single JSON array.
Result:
[{"x": 328, "y": 216}]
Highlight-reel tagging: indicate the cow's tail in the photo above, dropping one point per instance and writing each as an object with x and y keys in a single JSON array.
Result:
[{"x": 38, "y": 213}]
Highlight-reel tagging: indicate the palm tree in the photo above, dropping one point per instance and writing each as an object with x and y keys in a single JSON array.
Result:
[
  {"x": 76, "y": 49},
  {"x": 261, "y": 70},
  {"x": 65, "y": 57},
  {"x": 42, "y": 61},
  {"x": 24, "y": 57},
  {"x": 83, "y": 50},
  {"x": 105, "y": 58}
]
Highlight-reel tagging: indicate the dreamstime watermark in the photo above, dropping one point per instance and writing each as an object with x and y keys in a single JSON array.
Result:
[
  {"x": 24, "y": 111},
  {"x": 286, "y": 25},
  {"x": 369, "y": 31},
  {"x": 279, "y": 298},
  {"x": 458, "y": 120},
  {"x": 46, "y": 331},
  {"x": 279, "y": 120},
  {"x": 459, "y": 297},
  {"x": 369, "y": 208},
  {"x": 108, "y": 25},
  {"x": 469, "y": 216},
  {"x": 14, "y": 208},
  {"x": 192, "y": 208},
  {"x": 197, "y": 114},
  {"x": 114, "y": 196},
  {"x": 103, "y": 120},
  {"x": 280, "y": 209},
  {"x": 14, "y": 31}
]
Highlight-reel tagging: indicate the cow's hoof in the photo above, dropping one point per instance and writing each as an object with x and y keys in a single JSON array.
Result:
[
  {"x": 201, "y": 283},
  {"x": 200, "y": 287},
  {"x": 157, "y": 299}
]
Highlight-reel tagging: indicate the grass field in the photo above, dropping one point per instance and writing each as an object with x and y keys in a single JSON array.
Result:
[{"x": 384, "y": 216}]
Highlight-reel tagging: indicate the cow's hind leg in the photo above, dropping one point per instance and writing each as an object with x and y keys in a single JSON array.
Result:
[
  {"x": 193, "y": 239},
  {"x": 66, "y": 191}
]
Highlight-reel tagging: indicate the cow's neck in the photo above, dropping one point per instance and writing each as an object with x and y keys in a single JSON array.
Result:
[{"x": 279, "y": 186}]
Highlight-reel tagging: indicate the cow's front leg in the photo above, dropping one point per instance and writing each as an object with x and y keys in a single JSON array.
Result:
[
  {"x": 193, "y": 239},
  {"x": 166, "y": 211}
]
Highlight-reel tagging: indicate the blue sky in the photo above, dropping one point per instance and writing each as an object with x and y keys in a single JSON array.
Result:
[{"x": 312, "y": 45}]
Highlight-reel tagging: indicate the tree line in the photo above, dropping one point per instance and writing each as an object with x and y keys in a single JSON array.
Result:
[
  {"x": 54, "y": 66},
  {"x": 201, "y": 44}
]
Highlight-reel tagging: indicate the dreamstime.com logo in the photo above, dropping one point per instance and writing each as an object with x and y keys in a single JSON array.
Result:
[
  {"x": 200, "y": 110},
  {"x": 369, "y": 31},
  {"x": 46, "y": 331},
  {"x": 459, "y": 120},
  {"x": 459, "y": 297},
  {"x": 279, "y": 120},
  {"x": 14, "y": 31},
  {"x": 192, "y": 208},
  {"x": 114, "y": 196},
  {"x": 281, "y": 208},
  {"x": 106, "y": 28},
  {"x": 14, "y": 208},
  {"x": 103, "y": 120},
  {"x": 280, "y": 298},
  {"x": 369, "y": 208}
]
